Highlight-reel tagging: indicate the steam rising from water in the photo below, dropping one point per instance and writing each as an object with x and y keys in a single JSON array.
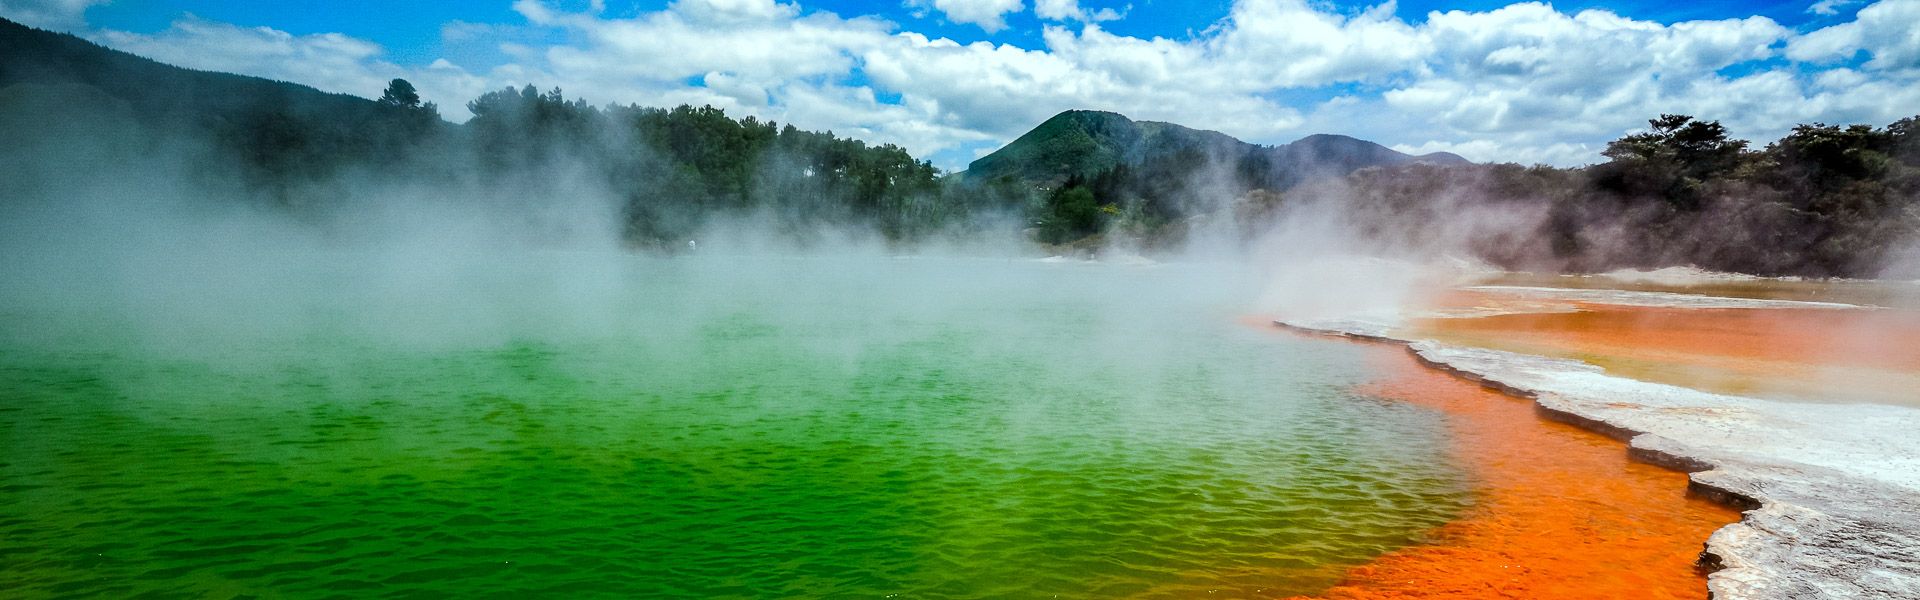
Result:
[
  {"x": 1321, "y": 256},
  {"x": 1905, "y": 265},
  {"x": 426, "y": 387},
  {"x": 103, "y": 214},
  {"x": 141, "y": 231}
]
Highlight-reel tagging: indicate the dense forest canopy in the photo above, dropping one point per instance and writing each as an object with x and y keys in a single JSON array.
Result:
[{"x": 673, "y": 166}]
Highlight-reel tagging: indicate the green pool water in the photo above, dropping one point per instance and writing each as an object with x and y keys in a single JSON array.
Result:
[{"x": 577, "y": 426}]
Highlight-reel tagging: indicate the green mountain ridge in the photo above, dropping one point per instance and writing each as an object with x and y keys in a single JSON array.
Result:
[
  {"x": 69, "y": 106},
  {"x": 35, "y": 56},
  {"x": 1086, "y": 143}
]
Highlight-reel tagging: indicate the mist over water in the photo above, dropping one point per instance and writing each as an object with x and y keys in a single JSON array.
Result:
[
  {"x": 472, "y": 386},
  {"x": 694, "y": 426}
]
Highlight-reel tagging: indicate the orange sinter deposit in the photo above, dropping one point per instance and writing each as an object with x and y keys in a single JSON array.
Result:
[
  {"x": 1829, "y": 355},
  {"x": 1560, "y": 512}
]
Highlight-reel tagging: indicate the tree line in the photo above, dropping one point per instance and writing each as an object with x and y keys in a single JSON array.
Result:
[
  {"x": 1823, "y": 201},
  {"x": 671, "y": 168}
]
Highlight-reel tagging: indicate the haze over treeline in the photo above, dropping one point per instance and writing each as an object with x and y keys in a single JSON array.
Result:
[
  {"x": 1826, "y": 200},
  {"x": 1823, "y": 201},
  {"x": 663, "y": 170}
]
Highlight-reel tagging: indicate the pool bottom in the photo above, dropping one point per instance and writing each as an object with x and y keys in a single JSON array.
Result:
[
  {"x": 1791, "y": 354},
  {"x": 1561, "y": 512},
  {"x": 740, "y": 429}
]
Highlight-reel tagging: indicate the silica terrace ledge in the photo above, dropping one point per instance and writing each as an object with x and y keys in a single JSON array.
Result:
[{"x": 1828, "y": 490}]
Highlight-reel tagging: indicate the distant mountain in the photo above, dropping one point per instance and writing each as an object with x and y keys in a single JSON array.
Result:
[
  {"x": 1344, "y": 154},
  {"x": 157, "y": 90},
  {"x": 1085, "y": 143},
  {"x": 72, "y": 111},
  {"x": 276, "y": 133}
]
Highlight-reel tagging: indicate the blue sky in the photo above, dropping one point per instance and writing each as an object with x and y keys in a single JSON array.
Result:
[
  {"x": 951, "y": 79},
  {"x": 411, "y": 30}
]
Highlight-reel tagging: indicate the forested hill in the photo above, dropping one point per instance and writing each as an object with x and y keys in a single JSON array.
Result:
[
  {"x": 1086, "y": 144},
  {"x": 33, "y": 56},
  {"x": 278, "y": 124},
  {"x": 668, "y": 170},
  {"x": 1103, "y": 172}
]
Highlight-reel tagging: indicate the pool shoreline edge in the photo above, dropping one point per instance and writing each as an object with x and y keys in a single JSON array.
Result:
[{"x": 1738, "y": 557}]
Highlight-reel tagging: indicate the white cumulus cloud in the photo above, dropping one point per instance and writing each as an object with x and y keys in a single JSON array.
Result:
[
  {"x": 1070, "y": 10},
  {"x": 48, "y": 14},
  {"x": 1888, "y": 31},
  {"x": 330, "y": 62},
  {"x": 1830, "y": 7},
  {"x": 990, "y": 15},
  {"x": 1524, "y": 82}
]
